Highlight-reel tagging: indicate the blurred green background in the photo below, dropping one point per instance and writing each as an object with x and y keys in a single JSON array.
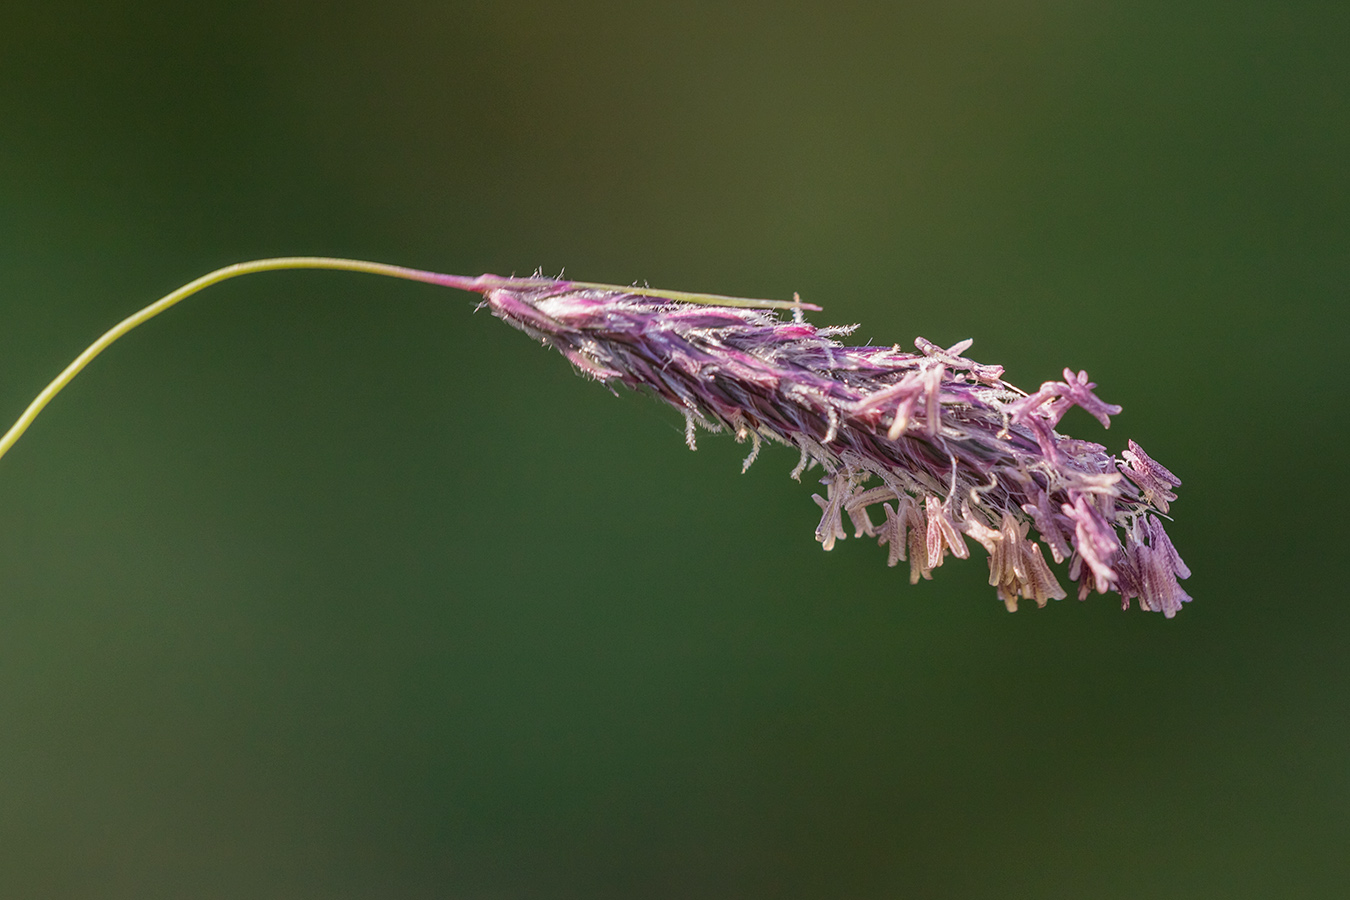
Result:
[{"x": 323, "y": 586}]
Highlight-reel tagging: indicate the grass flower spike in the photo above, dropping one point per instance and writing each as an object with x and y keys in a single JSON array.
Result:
[{"x": 919, "y": 450}]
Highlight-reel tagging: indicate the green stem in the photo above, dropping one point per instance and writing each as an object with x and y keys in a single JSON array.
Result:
[{"x": 246, "y": 268}]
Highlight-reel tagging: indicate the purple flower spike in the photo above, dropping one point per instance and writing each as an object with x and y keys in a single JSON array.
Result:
[{"x": 940, "y": 443}]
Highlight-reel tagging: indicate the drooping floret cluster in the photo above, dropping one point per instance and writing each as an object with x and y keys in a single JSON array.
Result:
[{"x": 919, "y": 450}]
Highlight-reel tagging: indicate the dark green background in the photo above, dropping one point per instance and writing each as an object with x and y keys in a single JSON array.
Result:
[{"x": 323, "y": 586}]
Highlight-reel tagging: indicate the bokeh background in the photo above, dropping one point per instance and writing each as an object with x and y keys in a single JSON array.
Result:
[{"x": 323, "y": 586}]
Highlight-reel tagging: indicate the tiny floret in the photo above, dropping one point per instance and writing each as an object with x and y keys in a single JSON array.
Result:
[{"x": 1154, "y": 480}]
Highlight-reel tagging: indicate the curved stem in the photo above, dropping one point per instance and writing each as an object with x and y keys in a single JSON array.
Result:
[{"x": 246, "y": 268}]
